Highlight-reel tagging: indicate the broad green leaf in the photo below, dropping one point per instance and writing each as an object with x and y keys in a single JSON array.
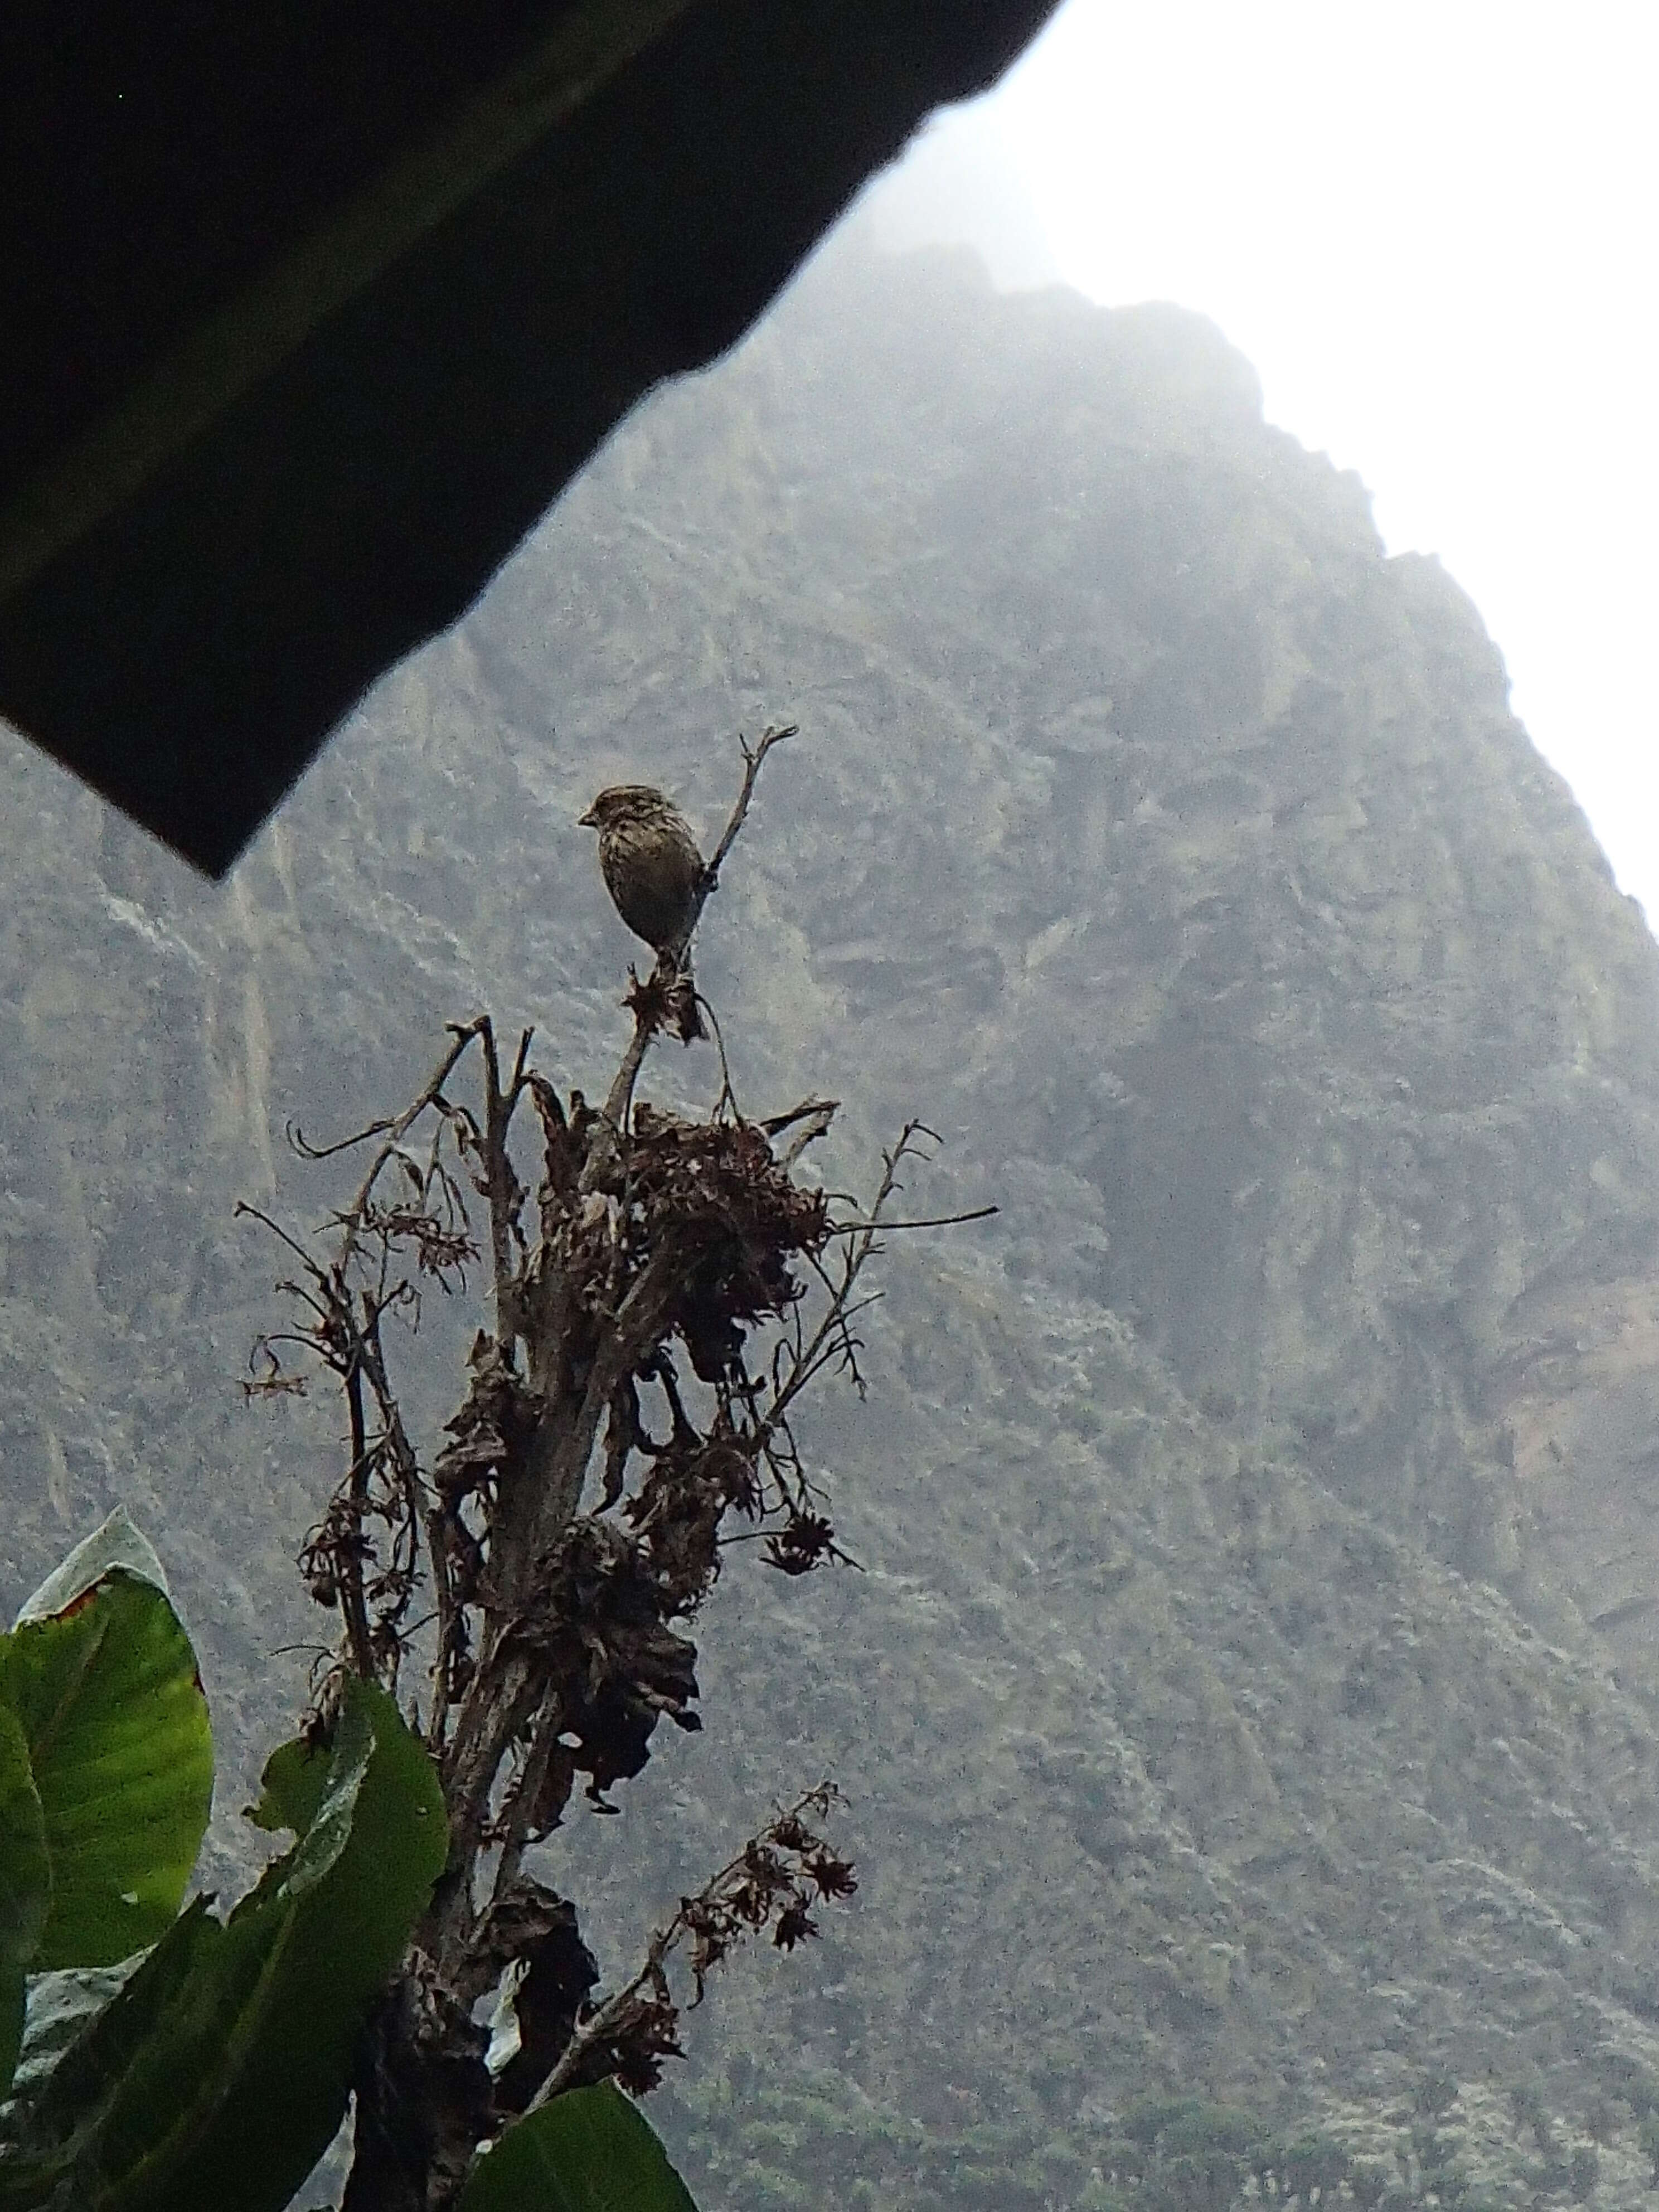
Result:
[
  {"x": 591, "y": 2150},
  {"x": 219, "y": 2075},
  {"x": 112, "y": 1710},
  {"x": 24, "y": 1884},
  {"x": 60, "y": 2116}
]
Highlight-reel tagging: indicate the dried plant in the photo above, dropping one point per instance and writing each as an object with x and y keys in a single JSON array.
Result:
[{"x": 658, "y": 1304}]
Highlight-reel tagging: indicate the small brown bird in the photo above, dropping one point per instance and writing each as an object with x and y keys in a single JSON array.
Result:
[{"x": 653, "y": 869}]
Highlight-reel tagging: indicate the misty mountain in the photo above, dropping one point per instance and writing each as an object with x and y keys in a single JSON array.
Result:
[{"x": 1247, "y": 1688}]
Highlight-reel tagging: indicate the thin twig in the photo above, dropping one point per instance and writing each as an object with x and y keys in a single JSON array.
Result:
[
  {"x": 833, "y": 1338},
  {"x": 502, "y": 1190},
  {"x": 929, "y": 1221},
  {"x": 350, "y": 1220},
  {"x": 351, "y": 1590},
  {"x": 728, "y": 838},
  {"x": 728, "y": 1096},
  {"x": 620, "y": 1097}
]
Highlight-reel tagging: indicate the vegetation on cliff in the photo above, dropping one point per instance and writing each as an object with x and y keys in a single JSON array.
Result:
[{"x": 1245, "y": 1697}]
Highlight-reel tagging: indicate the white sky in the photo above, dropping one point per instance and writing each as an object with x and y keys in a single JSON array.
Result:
[{"x": 1430, "y": 224}]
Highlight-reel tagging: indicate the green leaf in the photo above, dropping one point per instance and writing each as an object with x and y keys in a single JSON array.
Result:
[
  {"x": 63, "y": 2119},
  {"x": 591, "y": 2150},
  {"x": 291, "y": 1787},
  {"x": 220, "y": 2073},
  {"x": 115, "y": 1542},
  {"x": 112, "y": 1711},
  {"x": 24, "y": 1884}
]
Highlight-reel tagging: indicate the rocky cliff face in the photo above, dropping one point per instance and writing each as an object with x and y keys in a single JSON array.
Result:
[
  {"x": 1205, "y": 865},
  {"x": 1248, "y": 1687}
]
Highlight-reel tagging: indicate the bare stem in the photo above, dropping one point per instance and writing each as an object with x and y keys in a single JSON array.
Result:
[
  {"x": 461, "y": 1035},
  {"x": 620, "y": 1097},
  {"x": 751, "y": 759}
]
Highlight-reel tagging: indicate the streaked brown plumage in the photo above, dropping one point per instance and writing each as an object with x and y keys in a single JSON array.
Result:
[{"x": 651, "y": 869}]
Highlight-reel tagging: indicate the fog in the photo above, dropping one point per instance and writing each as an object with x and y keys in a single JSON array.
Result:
[
  {"x": 1429, "y": 228},
  {"x": 1248, "y": 1688}
]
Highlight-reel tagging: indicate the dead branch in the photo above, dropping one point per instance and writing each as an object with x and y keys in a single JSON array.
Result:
[
  {"x": 926, "y": 1221},
  {"x": 461, "y": 1035},
  {"x": 775, "y": 1879},
  {"x": 810, "y": 1120},
  {"x": 663, "y": 1292},
  {"x": 752, "y": 769}
]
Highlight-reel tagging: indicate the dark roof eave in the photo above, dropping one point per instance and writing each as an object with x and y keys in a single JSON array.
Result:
[{"x": 187, "y": 636}]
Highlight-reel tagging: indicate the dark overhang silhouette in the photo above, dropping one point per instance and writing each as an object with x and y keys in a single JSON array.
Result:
[{"x": 310, "y": 313}]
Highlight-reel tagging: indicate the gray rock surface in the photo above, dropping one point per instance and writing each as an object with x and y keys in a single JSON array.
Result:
[{"x": 1249, "y": 1686}]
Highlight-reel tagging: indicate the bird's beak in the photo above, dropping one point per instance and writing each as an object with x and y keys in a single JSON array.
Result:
[{"x": 588, "y": 821}]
